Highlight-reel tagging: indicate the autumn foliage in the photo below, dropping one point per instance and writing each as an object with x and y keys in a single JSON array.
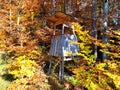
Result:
[{"x": 25, "y": 37}]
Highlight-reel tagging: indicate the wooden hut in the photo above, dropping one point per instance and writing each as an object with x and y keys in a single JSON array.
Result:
[{"x": 61, "y": 45}]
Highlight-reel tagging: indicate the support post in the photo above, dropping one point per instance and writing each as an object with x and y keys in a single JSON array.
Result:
[
  {"x": 50, "y": 65},
  {"x": 61, "y": 71}
]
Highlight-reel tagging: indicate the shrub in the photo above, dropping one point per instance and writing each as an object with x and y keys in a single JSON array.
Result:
[
  {"x": 84, "y": 43},
  {"x": 22, "y": 67},
  {"x": 103, "y": 76}
]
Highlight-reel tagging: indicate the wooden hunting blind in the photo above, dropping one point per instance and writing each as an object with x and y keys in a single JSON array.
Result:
[{"x": 61, "y": 45}]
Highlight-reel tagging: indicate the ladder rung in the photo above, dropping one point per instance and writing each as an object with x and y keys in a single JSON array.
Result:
[{"x": 67, "y": 58}]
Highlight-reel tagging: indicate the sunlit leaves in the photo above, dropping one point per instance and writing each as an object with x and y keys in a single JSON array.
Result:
[
  {"x": 22, "y": 67},
  {"x": 84, "y": 43},
  {"x": 103, "y": 76},
  {"x": 114, "y": 45},
  {"x": 37, "y": 81}
]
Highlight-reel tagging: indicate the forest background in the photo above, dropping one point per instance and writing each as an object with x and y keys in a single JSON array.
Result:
[{"x": 25, "y": 41}]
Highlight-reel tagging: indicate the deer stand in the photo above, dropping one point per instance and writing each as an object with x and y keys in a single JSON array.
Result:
[{"x": 62, "y": 47}]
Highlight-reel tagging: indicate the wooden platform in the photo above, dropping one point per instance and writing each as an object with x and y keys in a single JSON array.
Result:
[{"x": 62, "y": 46}]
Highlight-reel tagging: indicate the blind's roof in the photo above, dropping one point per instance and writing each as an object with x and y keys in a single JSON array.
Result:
[{"x": 59, "y": 18}]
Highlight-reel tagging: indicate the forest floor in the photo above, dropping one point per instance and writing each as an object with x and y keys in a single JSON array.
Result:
[{"x": 4, "y": 83}]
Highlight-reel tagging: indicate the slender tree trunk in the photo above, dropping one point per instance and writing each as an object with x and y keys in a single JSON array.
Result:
[
  {"x": 18, "y": 18},
  {"x": 94, "y": 29},
  {"x": 105, "y": 27},
  {"x": 18, "y": 24},
  {"x": 64, "y": 6},
  {"x": 70, "y": 6},
  {"x": 54, "y": 6},
  {"x": 10, "y": 14}
]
